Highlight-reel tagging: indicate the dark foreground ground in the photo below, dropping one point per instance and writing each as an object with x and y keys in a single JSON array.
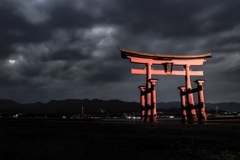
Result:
[{"x": 72, "y": 140}]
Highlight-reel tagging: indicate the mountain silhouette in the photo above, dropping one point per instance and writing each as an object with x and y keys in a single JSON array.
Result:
[
  {"x": 74, "y": 106},
  {"x": 68, "y": 106}
]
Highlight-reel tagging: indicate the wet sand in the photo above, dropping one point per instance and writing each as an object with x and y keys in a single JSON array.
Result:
[{"x": 55, "y": 139}]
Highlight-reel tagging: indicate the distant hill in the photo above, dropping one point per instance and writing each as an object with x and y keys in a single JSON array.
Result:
[
  {"x": 68, "y": 106},
  {"x": 74, "y": 106}
]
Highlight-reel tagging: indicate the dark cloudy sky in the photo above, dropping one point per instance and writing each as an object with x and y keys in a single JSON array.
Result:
[{"x": 60, "y": 49}]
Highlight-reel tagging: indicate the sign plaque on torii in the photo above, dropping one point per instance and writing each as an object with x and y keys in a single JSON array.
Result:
[{"x": 148, "y": 92}]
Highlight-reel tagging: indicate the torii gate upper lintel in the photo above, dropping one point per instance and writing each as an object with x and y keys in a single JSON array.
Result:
[{"x": 148, "y": 92}]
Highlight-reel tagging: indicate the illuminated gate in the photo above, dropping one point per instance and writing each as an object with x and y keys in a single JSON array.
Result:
[{"x": 148, "y": 92}]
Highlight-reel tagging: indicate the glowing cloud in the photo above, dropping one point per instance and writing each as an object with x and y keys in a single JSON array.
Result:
[{"x": 11, "y": 61}]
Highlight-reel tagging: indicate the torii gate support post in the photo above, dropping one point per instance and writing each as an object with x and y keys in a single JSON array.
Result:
[
  {"x": 183, "y": 104},
  {"x": 148, "y": 93},
  {"x": 192, "y": 117},
  {"x": 202, "y": 108},
  {"x": 153, "y": 100},
  {"x": 142, "y": 102}
]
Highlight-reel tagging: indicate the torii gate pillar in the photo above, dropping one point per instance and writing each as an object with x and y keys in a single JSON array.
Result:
[
  {"x": 202, "y": 113},
  {"x": 142, "y": 102},
  {"x": 183, "y": 104},
  {"x": 148, "y": 105},
  {"x": 192, "y": 116},
  {"x": 153, "y": 100}
]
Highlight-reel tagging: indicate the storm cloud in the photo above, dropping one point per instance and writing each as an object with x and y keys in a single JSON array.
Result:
[{"x": 59, "y": 49}]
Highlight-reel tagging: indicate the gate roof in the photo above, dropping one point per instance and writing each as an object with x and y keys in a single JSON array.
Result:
[{"x": 126, "y": 53}]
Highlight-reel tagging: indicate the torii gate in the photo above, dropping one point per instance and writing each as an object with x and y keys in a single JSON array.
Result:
[{"x": 148, "y": 92}]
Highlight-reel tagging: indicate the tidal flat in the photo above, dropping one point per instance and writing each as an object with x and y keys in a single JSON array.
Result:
[{"x": 38, "y": 139}]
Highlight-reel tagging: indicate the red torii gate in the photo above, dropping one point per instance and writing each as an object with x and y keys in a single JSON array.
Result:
[{"x": 148, "y": 92}]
